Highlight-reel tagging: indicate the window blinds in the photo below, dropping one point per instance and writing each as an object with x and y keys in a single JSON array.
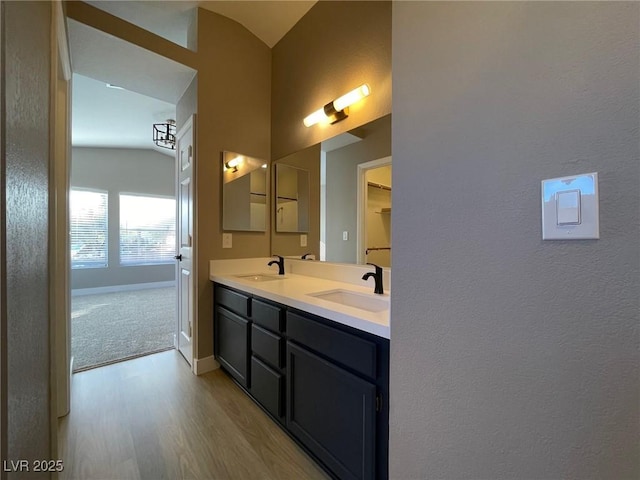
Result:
[
  {"x": 147, "y": 229},
  {"x": 88, "y": 218}
]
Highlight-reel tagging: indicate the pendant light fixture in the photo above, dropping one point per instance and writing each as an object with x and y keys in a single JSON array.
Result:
[{"x": 164, "y": 134}]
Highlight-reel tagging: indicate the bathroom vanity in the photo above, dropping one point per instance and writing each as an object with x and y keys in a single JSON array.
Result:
[{"x": 304, "y": 360}]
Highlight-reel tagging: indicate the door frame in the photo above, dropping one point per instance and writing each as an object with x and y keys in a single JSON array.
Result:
[
  {"x": 60, "y": 174},
  {"x": 362, "y": 198}
]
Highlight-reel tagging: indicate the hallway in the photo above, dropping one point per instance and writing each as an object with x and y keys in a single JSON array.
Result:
[{"x": 151, "y": 418}]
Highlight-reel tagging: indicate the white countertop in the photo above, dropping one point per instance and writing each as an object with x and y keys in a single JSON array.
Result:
[{"x": 293, "y": 290}]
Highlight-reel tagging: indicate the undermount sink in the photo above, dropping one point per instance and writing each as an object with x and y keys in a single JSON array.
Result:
[
  {"x": 354, "y": 299},
  {"x": 261, "y": 277}
]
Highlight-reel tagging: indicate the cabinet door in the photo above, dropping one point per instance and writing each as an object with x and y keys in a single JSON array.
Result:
[
  {"x": 332, "y": 412},
  {"x": 231, "y": 343}
]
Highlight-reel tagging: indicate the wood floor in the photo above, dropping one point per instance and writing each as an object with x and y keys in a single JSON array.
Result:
[{"x": 151, "y": 418}]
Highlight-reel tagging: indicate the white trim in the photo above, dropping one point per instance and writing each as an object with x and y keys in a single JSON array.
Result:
[
  {"x": 121, "y": 288},
  {"x": 63, "y": 45},
  {"x": 204, "y": 365},
  {"x": 362, "y": 203}
]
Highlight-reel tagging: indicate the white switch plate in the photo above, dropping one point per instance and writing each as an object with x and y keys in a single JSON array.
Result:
[
  {"x": 227, "y": 240},
  {"x": 345, "y": 236},
  {"x": 570, "y": 208},
  {"x": 303, "y": 240}
]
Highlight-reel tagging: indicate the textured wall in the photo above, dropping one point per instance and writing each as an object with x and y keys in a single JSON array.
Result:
[
  {"x": 121, "y": 170},
  {"x": 234, "y": 107},
  {"x": 512, "y": 357},
  {"x": 342, "y": 191},
  {"x": 334, "y": 48},
  {"x": 27, "y": 74}
]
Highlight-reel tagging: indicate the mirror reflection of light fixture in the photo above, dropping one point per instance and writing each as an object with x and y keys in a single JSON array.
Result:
[
  {"x": 164, "y": 134},
  {"x": 337, "y": 110},
  {"x": 233, "y": 164}
]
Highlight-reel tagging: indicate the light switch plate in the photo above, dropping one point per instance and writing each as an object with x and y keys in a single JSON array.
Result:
[
  {"x": 345, "y": 236},
  {"x": 303, "y": 240},
  {"x": 570, "y": 208},
  {"x": 227, "y": 240}
]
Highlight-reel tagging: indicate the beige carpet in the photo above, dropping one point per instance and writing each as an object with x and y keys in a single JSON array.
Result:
[{"x": 109, "y": 327}]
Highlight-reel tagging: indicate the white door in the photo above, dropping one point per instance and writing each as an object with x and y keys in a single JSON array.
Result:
[{"x": 185, "y": 273}]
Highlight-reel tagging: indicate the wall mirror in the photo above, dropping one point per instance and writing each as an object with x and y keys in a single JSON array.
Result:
[
  {"x": 244, "y": 193},
  {"x": 292, "y": 199},
  {"x": 349, "y": 198}
]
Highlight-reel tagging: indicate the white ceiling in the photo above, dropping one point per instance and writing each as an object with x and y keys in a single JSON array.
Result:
[
  {"x": 98, "y": 55},
  {"x": 110, "y": 118},
  {"x": 104, "y": 117}
]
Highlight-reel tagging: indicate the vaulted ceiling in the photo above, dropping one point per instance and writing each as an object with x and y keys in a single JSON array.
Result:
[{"x": 105, "y": 117}]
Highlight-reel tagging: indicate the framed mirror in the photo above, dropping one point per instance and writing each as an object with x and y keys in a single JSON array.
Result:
[
  {"x": 292, "y": 199},
  {"x": 244, "y": 193}
]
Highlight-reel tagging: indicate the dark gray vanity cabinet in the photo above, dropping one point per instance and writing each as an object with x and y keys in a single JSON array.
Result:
[{"x": 327, "y": 384}]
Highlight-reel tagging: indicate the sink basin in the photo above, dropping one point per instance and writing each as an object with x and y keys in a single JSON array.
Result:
[
  {"x": 261, "y": 278},
  {"x": 354, "y": 299}
]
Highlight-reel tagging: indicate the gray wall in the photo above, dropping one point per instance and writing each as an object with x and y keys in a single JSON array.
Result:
[
  {"x": 122, "y": 171},
  {"x": 512, "y": 357},
  {"x": 27, "y": 407},
  {"x": 342, "y": 192}
]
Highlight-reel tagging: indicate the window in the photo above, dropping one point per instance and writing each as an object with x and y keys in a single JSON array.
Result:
[
  {"x": 147, "y": 230},
  {"x": 88, "y": 210}
]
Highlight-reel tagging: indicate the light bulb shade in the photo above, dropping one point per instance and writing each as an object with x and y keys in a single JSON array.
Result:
[
  {"x": 316, "y": 117},
  {"x": 233, "y": 163},
  {"x": 352, "y": 97}
]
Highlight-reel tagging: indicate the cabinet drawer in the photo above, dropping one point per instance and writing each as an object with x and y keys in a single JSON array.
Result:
[
  {"x": 234, "y": 301},
  {"x": 349, "y": 350},
  {"x": 267, "y": 346},
  {"x": 267, "y": 386},
  {"x": 268, "y": 316}
]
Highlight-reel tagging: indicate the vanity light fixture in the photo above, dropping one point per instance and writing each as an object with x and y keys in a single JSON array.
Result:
[
  {"x": 233, "y": 164},
  {"x": 164, "y": 134},
  {"x": 337, "y": 110},
  {"x": 264, "y": 165}
]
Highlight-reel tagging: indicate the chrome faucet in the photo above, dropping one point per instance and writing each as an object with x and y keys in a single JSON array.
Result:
[
  {"x": 279, "y": 262},
  {"x": 377, "y": 275}
]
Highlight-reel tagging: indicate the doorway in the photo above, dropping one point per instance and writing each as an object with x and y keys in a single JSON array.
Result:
[
  {"x": 123, "y": 227},
  {"x": 374, "y": 212}
]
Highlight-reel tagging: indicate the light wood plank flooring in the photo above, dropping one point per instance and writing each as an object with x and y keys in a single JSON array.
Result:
[{"x": 151, "y": 418}]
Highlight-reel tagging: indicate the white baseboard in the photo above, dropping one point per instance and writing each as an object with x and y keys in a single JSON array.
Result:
[
  {"x": 204, "y": 365},
  {"x": 121, "y": 288}
]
